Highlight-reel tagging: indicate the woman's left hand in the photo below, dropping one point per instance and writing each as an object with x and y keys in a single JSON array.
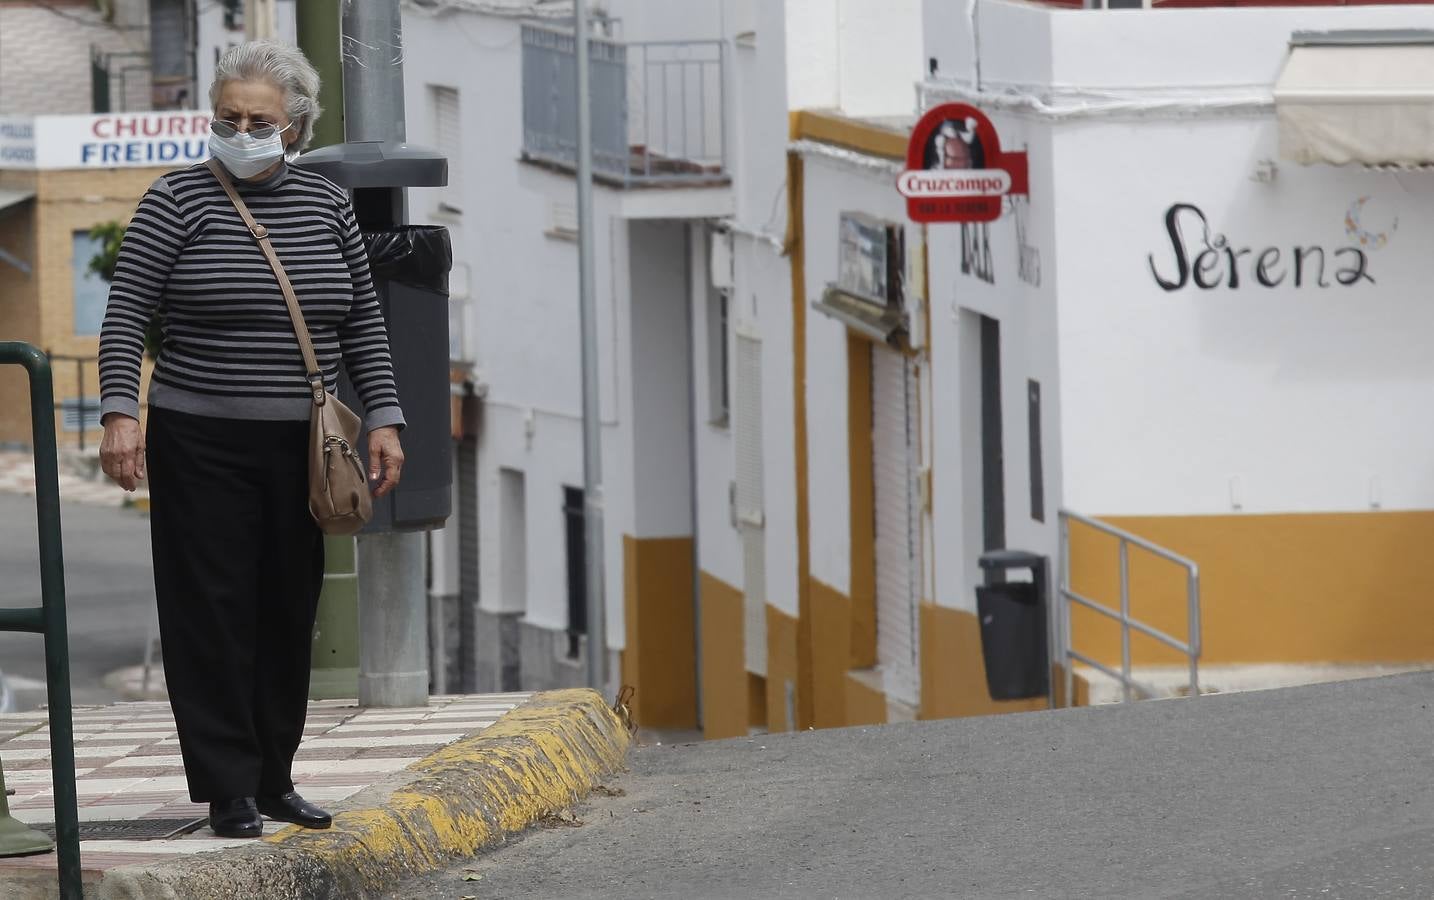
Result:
[{"x": 385, "y": 457}]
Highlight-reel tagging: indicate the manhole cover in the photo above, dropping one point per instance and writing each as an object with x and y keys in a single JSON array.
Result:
[{"x": 131, "y": 829}]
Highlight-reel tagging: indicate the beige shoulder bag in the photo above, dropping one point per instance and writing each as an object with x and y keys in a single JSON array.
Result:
[{"x": 338, "y": 490}]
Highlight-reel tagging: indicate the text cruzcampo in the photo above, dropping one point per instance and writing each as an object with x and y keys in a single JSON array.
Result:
[{"x": 1221, "y": 264}]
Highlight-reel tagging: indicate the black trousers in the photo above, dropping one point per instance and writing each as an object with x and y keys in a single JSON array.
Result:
[{"x": 238, "y": 565}]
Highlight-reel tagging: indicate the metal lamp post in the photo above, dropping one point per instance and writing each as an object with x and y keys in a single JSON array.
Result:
[{"x": 592, "y": 414}]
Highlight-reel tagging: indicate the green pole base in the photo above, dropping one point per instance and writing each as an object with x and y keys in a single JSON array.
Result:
[
  {"x": 334, "y": 684},
  {"x": 334, "y": 671},
  {"x": 19, "y": 839}
]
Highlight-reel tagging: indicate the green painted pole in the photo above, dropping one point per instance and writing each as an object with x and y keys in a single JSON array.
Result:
[
  {"x": 318, "y": 24},
  {"x": 336, "y": 653},
  {"x": 17, "y": 838},
  {"x": 51, "y": 612}
]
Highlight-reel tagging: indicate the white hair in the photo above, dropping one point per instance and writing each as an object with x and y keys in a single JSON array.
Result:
[{"x": 283, "y": 65}]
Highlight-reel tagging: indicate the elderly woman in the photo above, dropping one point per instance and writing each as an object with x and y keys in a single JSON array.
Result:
[{"x": 238, "y": 558}]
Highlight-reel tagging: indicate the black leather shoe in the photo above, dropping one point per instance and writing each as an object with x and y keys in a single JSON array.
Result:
[
  {"x": 236, "y": 818},
  {"x": 292, "y": 808}
]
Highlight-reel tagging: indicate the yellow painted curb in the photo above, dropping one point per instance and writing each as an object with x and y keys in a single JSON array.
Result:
[{"x": 538, "y": 759}]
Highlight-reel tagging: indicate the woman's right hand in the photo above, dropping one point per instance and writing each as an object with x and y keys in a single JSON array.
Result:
[{"x": 122, "y": 451}]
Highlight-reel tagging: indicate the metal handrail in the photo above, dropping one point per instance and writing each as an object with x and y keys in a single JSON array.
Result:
[
  {"x": 48, "y": 619},
  {"x": 81, "y": 363},
  {"x": 1068, "y": 597},
  {"x": 658, "y": 107},
  {"x": 1173, "y": 643}
]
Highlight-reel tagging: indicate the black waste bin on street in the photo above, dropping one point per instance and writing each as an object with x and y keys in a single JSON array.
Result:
[
  {"x": 1013, "y": 626},
  {"x": 410, "y": 265}
]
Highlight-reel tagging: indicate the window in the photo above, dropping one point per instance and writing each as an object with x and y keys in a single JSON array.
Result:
[
  {"x": 513, "y": 518},
  {"x": 460, "y": 311},
  {"x": 721, "y": 285},
  {"x": 448, "y": 139},
  {"x": 91, "y": 291},
  {"x": 575, "y": 528},
  {"x": 80, "y": 415},
  {"x": 723, "y": 370},
  {"x": 168, "y": 38},
  {"x": 871, "y": 257},
  {"x": 869, "y": 295}
]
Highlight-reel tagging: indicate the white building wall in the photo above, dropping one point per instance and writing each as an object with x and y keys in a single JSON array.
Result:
[
  {"x": 813, "y": 35},
  {"x": 1199, "y": 401},
  {"x": 832, "y": 187},
  {"x": 880, "y": 49},
  {"x": 1171, "y": 48},
  {"x": 1243, "y": 398},
  {"x": 212, "y": 39},
  {"x": 948, "y": 38},
  {"x": 762, "y": 296},
  {"x": 1015, "y": 43},
  {"x": 1029, "y": 351},
  {"x": 667, "y": 20},
  {"x": 718, "y": 548},
  {"x": 949, "y": 369},
  {"x": 45, "y": 59},
  {"x": 1240, "y": 398},
  {"x": 660, "y": 466},
  {"x": 523, "y": 322},
  {"x": 863, "y": 57}
]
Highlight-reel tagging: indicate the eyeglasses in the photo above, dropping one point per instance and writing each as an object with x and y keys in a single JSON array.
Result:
[{"x": 259, "y": 131}]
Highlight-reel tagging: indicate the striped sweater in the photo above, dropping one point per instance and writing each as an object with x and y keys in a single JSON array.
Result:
[{"x": 229, "y": 349}]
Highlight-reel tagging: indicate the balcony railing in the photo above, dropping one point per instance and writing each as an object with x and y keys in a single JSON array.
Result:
[{"x": 657, "y": 108}]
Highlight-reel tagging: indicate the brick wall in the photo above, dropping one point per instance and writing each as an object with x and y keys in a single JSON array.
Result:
[
  {"x": 19, "y": 308},
  {"x": 45, "y": 55},
  {"x": 39, "y": 307}
]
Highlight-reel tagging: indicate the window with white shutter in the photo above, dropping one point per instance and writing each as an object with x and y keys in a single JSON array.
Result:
[
  {"x": 894, "y": 461},
  {"x": 751, "y": 518},
  {"x": 448, "y": 140}
]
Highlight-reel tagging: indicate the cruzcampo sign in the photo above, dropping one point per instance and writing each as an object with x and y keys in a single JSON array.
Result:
[{"x": 956, "y": 170}]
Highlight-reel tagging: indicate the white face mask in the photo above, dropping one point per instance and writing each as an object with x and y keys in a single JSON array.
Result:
[{"x": 244, "y": 156}]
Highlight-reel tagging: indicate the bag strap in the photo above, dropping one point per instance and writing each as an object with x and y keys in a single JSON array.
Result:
[{"x": 296, "y": 314}]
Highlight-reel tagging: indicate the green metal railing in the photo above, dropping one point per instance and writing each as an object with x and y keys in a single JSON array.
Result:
[{"x": 49, "y": 618}]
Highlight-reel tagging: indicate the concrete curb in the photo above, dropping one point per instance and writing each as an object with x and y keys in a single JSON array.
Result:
[{"x": 537, "y": 759}]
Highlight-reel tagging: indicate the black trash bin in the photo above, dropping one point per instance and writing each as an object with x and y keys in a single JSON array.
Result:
[
  {"x": 410, "y": 266},
  {"x": 416, "y": 255},
  {"x": 1013, "y": 626}
]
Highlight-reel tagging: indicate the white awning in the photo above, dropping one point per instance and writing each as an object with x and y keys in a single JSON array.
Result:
[
  {"x": 1352, "y": 97},
  {"x": 10, "y": 197}
]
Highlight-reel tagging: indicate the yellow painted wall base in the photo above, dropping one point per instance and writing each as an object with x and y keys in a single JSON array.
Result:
[
  {"x": 756, "y": 701},
  {"x": 660, "y": 658},
  {"x": 866, "y": 705},
  {"x": 831, "y": 613},
  {"x": 782, "y": 675},
  {"x": 953, "y": 674},
  {"x": 1274, "y": 588},
  {"x": 725, "y": 706},
  {"x": 952, "y": 668}
]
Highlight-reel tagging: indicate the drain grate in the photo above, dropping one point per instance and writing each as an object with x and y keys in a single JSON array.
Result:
[{"x": 131, "y": 829}]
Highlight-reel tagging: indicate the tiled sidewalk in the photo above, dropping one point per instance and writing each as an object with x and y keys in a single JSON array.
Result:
[{"x": 128, "y": 765}]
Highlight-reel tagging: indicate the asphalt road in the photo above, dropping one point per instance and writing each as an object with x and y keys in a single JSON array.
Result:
[
  {"x": 1323, "y": 791},
  {"x": 109, "y": 591}
]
